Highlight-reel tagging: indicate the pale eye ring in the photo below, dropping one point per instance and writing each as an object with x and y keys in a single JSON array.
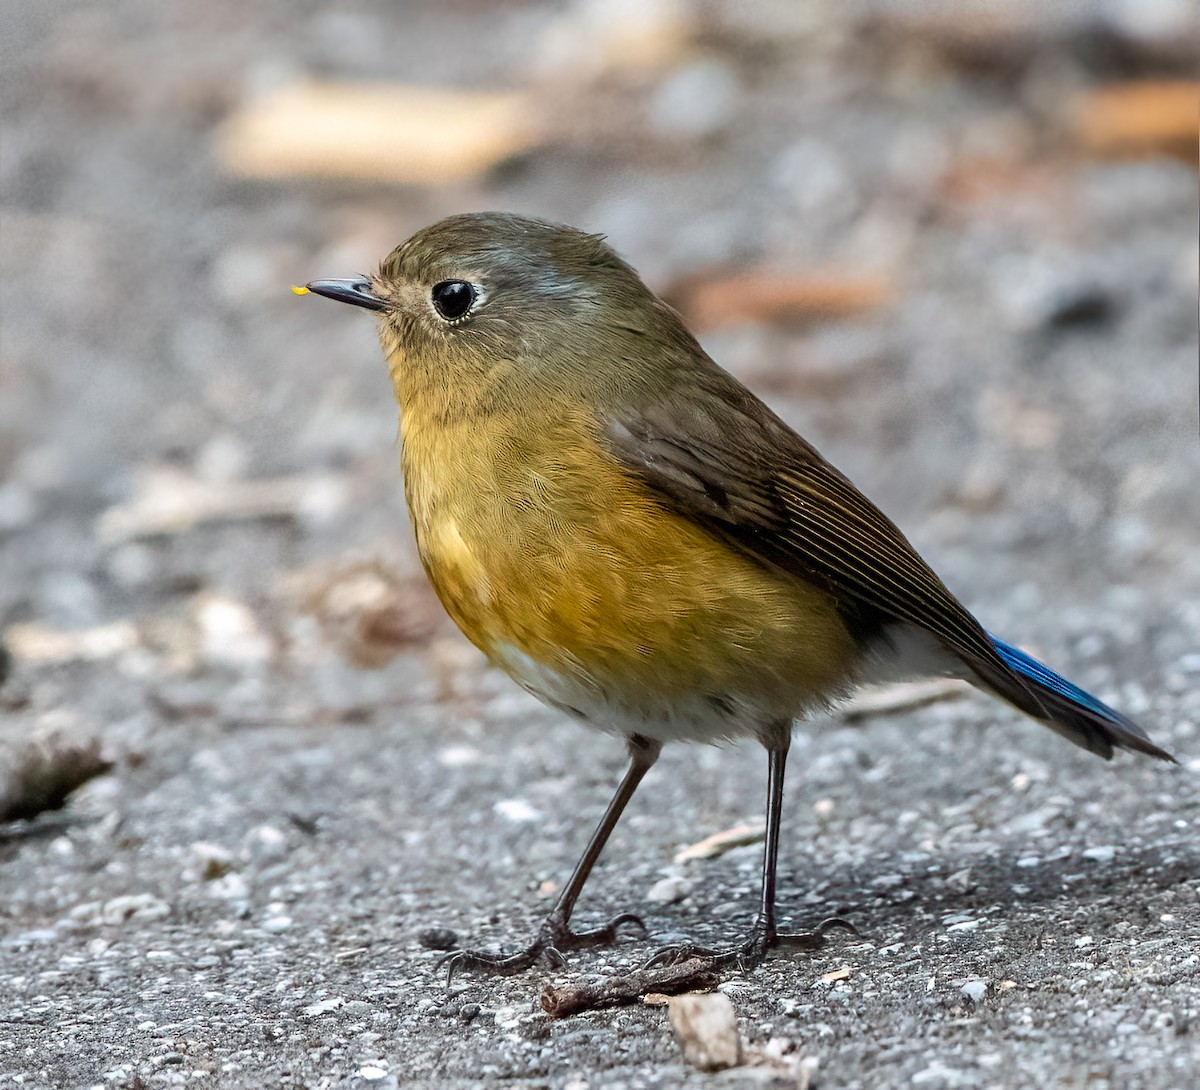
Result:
[{"x": 452, "y": 298}]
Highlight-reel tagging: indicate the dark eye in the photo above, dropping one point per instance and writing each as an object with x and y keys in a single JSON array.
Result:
[{"x": 452, "y": 298}]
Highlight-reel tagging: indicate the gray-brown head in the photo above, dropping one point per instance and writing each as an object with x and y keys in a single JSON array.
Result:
[{"x": 475, "y": 307}]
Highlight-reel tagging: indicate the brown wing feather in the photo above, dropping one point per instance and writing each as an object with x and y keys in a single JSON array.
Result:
[{"x": 719, "y": 456}]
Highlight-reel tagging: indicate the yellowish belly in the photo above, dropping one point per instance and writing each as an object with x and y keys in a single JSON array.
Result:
[{"x": 571, "y": 576}]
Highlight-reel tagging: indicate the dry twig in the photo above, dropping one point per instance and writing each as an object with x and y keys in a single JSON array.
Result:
[{"x": 695, "y": 975}]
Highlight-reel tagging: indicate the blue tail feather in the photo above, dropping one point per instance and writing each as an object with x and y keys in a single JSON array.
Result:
[
  {"x": 1029, "y": 667},
  {"x": 1074, "y": 712}
]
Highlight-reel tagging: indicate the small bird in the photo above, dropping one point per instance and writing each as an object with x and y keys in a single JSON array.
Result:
[{"x": 643, "y": 544}]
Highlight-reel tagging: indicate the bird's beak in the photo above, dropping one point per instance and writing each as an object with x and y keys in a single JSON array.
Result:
[{"x": 356, "y": 291}]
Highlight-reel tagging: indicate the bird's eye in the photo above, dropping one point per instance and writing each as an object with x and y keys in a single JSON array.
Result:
[{"x": 452, "y": 298}]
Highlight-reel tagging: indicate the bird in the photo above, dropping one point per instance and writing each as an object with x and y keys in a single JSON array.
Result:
[{"x": 642, "y": 543}]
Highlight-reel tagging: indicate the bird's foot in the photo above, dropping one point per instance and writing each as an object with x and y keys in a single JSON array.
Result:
[
  {"x": 548, "y": 945},
  {"x": 751, "y": 953}
]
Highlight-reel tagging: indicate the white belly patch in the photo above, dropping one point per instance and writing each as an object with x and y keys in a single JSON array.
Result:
[{"x": 693, "y": 717}]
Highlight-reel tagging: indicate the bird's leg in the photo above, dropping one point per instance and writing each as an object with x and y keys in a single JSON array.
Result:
[
  {"x": 764, "y": 935},
  {"x": 555, "y": 934}
]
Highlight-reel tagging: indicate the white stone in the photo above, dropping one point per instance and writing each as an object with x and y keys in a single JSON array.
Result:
[
  {"x": 136, "y": 907},
  {"x": 325, "y": 1006},
  {"x": 706, "y": 1028},
  {"x": 517, "y": 810},
  {"x": 670, "y": 890},
  {"x": 974, "y": 990}
]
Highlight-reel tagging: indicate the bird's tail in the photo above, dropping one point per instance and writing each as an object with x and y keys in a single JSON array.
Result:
[{"x": 1066, "y": 708}]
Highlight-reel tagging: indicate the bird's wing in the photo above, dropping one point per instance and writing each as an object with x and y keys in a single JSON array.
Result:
[
  {"x": 720, "y": 457},
  {"x": 717, "y": 455}
]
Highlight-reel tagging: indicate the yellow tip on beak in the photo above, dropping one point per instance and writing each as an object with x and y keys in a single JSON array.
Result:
[{"x": 297, "y": 290}]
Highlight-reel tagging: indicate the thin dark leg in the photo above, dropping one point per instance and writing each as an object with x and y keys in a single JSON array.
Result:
[
  {"x": 776, "y": 767},
  {"x": 763, "y": 933},
  {"x": 642, "y": 755},
  {"x": 555, "y": 934}
]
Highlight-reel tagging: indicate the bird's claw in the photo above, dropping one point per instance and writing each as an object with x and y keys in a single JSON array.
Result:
[
  {"x": 600, "y": 936},
  {"x": 751, "y": 953},
  {"x": 548, "y": 946},
  {"x": 484, "y": 961}
]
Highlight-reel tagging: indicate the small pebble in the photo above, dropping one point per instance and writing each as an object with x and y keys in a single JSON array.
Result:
[
  {"x": 974, "y": 990},
  {"x": 669, "y": 891},
  {"x": 324, "y": 1006},
  {"x": 706, "y": 1028},
  {"x": 265, "y": 844},
  {"x": 134, "y": 907},
  {"x": 1078, "y": 305},
  {"x": 517, "y": 810},
  {"x": 438, "y": 938}
]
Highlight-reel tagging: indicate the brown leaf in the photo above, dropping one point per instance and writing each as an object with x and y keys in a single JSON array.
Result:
[
  {"x": 372, "y": 614},
  {"x": 389, "y": 133},
  {"x": 763, "y": 295},
  {"x": 1139, "y": 119},
  {"x": 710, "y": 847}
]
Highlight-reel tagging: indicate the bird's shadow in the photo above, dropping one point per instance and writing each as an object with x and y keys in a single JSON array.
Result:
[{"x": 890, "y": 900}]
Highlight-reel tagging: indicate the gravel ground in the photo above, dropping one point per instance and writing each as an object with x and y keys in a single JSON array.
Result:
[{"x": 244, "y": 899}]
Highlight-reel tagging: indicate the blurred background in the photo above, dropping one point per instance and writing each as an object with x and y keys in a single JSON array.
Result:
[{"x": 955, "y": 245}]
